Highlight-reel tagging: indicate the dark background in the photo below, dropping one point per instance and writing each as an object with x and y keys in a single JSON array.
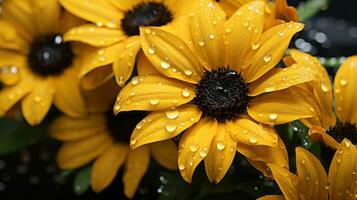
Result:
[{"x": 33, "y": 174}]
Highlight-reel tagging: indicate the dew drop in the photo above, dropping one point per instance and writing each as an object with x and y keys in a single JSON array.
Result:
[
  {"x": 164, "y": 64},
  {"x": 253, "y": 140},
  {"x": 256, "y": 45},
  {"x": 221, "y": 146},
  {"x": 135, "y": 81},
  {"x": 133, "y": 142},
  {"x": 324, "y": 87},
  {"x": 273, "y": 116},
  {"x": 154, "y": 102},
  {"x": 152, "y": 50},
  {"x": 172, "y": 114},
  {"x": 186, "y": 93},
  {"x": 188, "y": 72},
  {"x": 204, "y": 153},
  {"x": 267, "y": 57},
  {"x": 212, "y": 36},
  {"x": 139, "y": 126},
  {"x": 344, "y": 81},
  {"x": 201, "y": 43},
  {"x": 193, "y": 147},
  {"x": 170, "y": 127},
  {"x": 181, "y": 166}
]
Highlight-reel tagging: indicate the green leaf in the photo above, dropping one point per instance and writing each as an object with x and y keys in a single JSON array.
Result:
[
  {"x": 308, "y": 9},
  {"x": 16, "y": 135},
  {"x": 82, "y": 180}
]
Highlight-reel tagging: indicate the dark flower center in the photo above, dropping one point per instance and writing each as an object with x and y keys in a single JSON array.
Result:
[
  {"x": 344, "y": 130},
  {"x": 145, "y": 14},
  {"x": 222, "y": 94},
  {"x": 49, "y": 55},
  {"x": 122, "y": 125}
]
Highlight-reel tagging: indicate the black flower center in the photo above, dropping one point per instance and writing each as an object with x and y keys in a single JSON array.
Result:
[
  {"x": 122, "y": 125},
  {"x": 49, "y": 55},
  {"x": 145, "y": 14},
  {"x": 344, "y": 130},
  {"x": 222, "y": 94}
]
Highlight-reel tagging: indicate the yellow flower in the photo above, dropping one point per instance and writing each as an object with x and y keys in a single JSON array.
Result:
[
  {"x": 275, "y": 12},
  {"x": 311, "y": 181},
  {"x": 320, "y": 95},
  {"x": 103, "y": 139},
  {"x": 209, "y": 85},
  {"x": 116, "y": 32},
  {"x": 36, "y": 66}
]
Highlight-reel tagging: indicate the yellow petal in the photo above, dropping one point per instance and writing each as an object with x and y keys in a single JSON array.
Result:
[
  {"x": 135, "y": 167},
  {"x": 68, "y": 97},
  {"x": 125, "y": 60},
  {"x": 248, "y": 132},
  {"x": 97, "y": 77},
  {"x": 153, "y": 93},
  {"x": 242, "y": 30},
  {"x": 345, "y": 87},
  {"x": 163, "y": 125},
  {"x": 68, "y": 21},
  {"x": 342, "y": 173},
  {"x": 259, "y": 156},
  {"x": 78, "y": 153},
  {"x": 279, "y": 107},
  {"x": 195, "y": 145},
  {"x": 221, "y": 154},
  {"x": 165, "y": 153},
  {"x": 271, "y": 197},
  {"x": 273, "y": 45},
  {"x": 170, "y": 55},
  {"x": 319, "y": 89},
  {"x": 145, "y": 67},
  {"x": 46, "y": 15},
  {"x": 287, "y": 182},
  {"x": 97, "y": 11},
  {"x": 207, "y": 35},
  {"x": 36, "y": 105},
  {"x": 279, "y": 79},
  {"x": 319, "y": 134},
  {"x": 9, "y": 96},
  {"x": 98, "y": 57},
  {"x": 94, "y": 35},
  {"x": 19, "y": 12},
  {"x": 11, "y": 67},
  {"x": 10, "y": 39},
  {"x": 313, "y": 178},
  {"x": 105, "y": 168},
  {"x": 66, "y": 128}
]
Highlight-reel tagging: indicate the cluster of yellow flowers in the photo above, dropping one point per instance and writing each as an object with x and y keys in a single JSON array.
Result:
[{"x": 131, "y": 75}]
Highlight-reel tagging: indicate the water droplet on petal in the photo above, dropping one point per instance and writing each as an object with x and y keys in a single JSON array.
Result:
[
  {"x": 212, "y": 36},
  {"x": 193, "y": 147},
  {"x": 324, "y": 87},
  {"x": 256, "y": 45},
  {"x": 204, "y": 153},
  {"x": 253, "y": 140},
  {"x": 221, "y": 145},
  {"x": 133, "y": 142},
  {"x": 267, "y": 57},
  {"x": 344, "y": 81},
  {"x": 152, "y": 50},
  {"x": 164, "y": 64},
  {"x": 170, "y": 127},
  {"x": 186, "y": 93},
  {"x": 181, "y": 166},
  {"x": 201, "y": 43},
  {"x": 273, "y": 116},
  {"x": 135, "y": 81},
  {"x": 172, "y": 114},
  {"x": 154, "y": 102}
]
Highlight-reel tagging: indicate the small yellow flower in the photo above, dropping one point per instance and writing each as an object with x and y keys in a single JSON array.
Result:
[
  {"x": 217, "y": 86},
  {"x": 103, "y": 139},
  {"x": 36, "y": 66},
  {"x": 114, "y": 29},
  {"x": 275, "y": 12},
  {"x": 311, "y": 181},
  {"x": 320, "y": 95}
]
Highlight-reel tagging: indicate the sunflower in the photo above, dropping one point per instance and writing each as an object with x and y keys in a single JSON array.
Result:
[
  {"x": 326, "y": 125},
  {"x": 218, "y": 86},
  {"x": 311, "y": 181},
  {"x": 103, "y": 139},
  {"x": 275, "y": 12},
  {"x": 37, "y": 67},
  {"x": 115, "y": 31}
]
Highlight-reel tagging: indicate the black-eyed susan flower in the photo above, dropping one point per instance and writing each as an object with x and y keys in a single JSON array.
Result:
[
  {"x": 330, "y": 125},
  {"x": 37, "y": 67},
  {"x": 103, "y": 139},
  {"x": 218, "y": 86},
  {"x": 312, "y": 182},
  {"x": 114, "y": 28},
  {"x": 276, "y": 12}
]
